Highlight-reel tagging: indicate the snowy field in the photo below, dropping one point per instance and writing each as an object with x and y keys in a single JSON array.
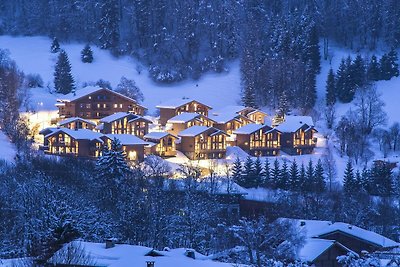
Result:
[{"x": 32, "y": 54}]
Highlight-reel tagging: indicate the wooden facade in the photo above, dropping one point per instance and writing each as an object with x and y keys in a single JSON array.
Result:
[
  {"x": 66, "y": 142},
  {"x": 178, "y": 125},
  {"x": 133, "y": 146},
  {"x": 176, "y": 107},
  {"x": 203, "y": 143},
  {"x": 164, "y": 144},
  {"x": 125, "y": 123},
  {"x": 300, "y": 142},
  {"x": 77, "y": 123},
  {"x": 261, "y": 141},
  {"x": 329, "y": 257},
  {"x": 96, "y": 104},
  {"x": 231, "y": 124}
]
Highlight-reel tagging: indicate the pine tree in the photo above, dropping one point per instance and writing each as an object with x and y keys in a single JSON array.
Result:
[
  {"x": 87, "y": 54},
  {"x": 330, "y": 89},
  {"x": 55, "y": 46},
  {"x": 294, "y": 182},
  {"x": 310, "y": 96},
  {"x": 302, "y": 178},
  {"x": 374, "y": 69},
  {"x": 63, "y": 80},
  {"x": 309, "y": 176},
  {"x": 357, "y": 71},
  {"x": 267, "y": 175},
  {"x": 109, "y": 29},
  {"x": 248, "y": 173},
  {"x": 313, "y": 49},
  {"x": 349, "y": 182},
  {"x": 283, "y": 108},
  {"x": 283, "y": 181},
  {"x": 319, "y": 179},
  {"x": 237, "y": 172},
  {"x": 386, "y": 67},
  {"x": 381, "y": 183},
  {"x": 345, "y": 85},
  {"x": 258, "y": 171},
  {"x": 393, "y": 58},
  {"x": 276, "y": 173}
]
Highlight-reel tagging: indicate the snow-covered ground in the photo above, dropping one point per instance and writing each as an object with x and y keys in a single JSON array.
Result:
[
  {"x": 32, "y": 54},
  {"x": 7, "y": 151}
]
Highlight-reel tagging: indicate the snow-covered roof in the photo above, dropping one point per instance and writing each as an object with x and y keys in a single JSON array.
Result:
[
  {"x": 48, "y": 130},
  {"x": 127, "y": 139},
  {"x": 293, "y": 123},
  {"x": 316, "y": 229},
  {"x": 249, "y": 128},
  {"x": 122, "y": 255},
  {"x": 176, "y": 103},
  {"x": 87, "y": 91},
  {"x": 194, "y": 130},
  {"x": 79, "y": 134},
  {"x": 183, "y": 117},
  {"x": 230, "y": 109},
  {"x": 156, "y": 135},
  {"x": 313, "y": 248},
  {"x": 115, "y": 116},
  {"x": 224, "y": 117},
  {"x": 72, "y": 119}
]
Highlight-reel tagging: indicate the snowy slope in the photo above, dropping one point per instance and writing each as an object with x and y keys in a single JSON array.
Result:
[
  {"x": 32, "y": 54},
  {"x": 7, "y": 151}
]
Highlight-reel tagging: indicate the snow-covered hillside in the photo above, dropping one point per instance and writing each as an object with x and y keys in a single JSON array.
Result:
[{"x": 32, "y": 55}]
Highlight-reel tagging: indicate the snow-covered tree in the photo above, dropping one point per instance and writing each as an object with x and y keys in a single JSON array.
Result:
[
  {"x": 55, "y": 46},
  {"x": 129, "y": 88},
  {"x": 87, "y": 54}
]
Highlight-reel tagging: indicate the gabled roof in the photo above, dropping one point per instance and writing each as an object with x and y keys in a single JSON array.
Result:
[
  {"x": 225, "y": 117},
  {"x": 48, "y": 130},
  {"x": 88, "y": 90},
  {"x": 231, "y": 109},
  {"x": 293, "y": 123},
  {"x": 183, "y": 117},
  {"x": 315, "y": 247},
  {"x": 157, "y": 135},
  {"x": 69, "y": 120},
  {"x": 196, "y": 130},
  {"x": 250, "y": 128},
  {"x": 178, "y": 102},
  {"x": 115, "y": 116},
  {"x": 79, "y": 134},
  {"x": 317, "y": 229},
  {"x": 127, "y": 139}
]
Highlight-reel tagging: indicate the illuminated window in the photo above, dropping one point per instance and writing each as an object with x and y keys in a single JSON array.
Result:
[
  {"x": 120, "y": 105},
  {"x": 132, "y": 155},
  {"x": 115, "y": 105}
]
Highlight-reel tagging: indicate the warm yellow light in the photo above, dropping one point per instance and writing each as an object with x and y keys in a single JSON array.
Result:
[{"x": 132, "y": 155}]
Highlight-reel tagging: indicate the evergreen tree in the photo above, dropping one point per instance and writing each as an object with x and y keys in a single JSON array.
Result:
[
  {"x": 111, "y": 169},
  {"x": 374, "y": 69},
  {"x": 302, "y": 178},
  {"x": 294, "y": 181},
  {"x": 312, "y": 49},
  {"x": 310, "y": 96},
  {"x": 276, "y": 173},
  {"x": 357, "y": 71},
  {"x": 283, "y": 108},
  {"x": 386, "y": 67},
  {"x": 248, "y": 173},
  {"x": 345, "y": 85},
  {"x": 87, "y": 54},
  {"x": 393, "y": 58},
  {"x": 55, "y": 46},
  {"x": 267, "y": 174},
  {"x": 330, "y": 89},
  {"x": 319, "y": 179},
  {"x": 283, "y": 181},
  {"x": 109, "y": 28},
  {"x": 63, "y": 80},
  {"x": 237, "y": 171},
  {"x": 258, "y": 172},
  {"x": 381, "y": 183},
  {"x": 349, "y": 182},
  {"x": 309, "y": 176}
]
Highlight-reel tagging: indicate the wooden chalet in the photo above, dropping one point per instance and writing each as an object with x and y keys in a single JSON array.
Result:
[
  {"x": 175, "y": 107},
  {"x": 229, "y": 122},
  {"x": 96, "y": 103},
  {"x": 124, "y": 123},
  {"x": 73, "y": 142},
  {"x": 162, "y": 144},
  {"x": 202, "y": 142},
  {"x": 77, "y": 123},
  {"x": 185, "y": 120},
  {"x": 258, "y": 139},
  {"x": 133, "y": 146},
  {"x": 297, "y": 135},
  {"x": 252, "y": 114}
]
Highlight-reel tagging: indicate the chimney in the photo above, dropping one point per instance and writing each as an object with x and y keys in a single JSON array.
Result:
[
  {"x": 150, "y": 263},
  {"x": 110, "y": 242},
  {"x": 302, "y": 223}
]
